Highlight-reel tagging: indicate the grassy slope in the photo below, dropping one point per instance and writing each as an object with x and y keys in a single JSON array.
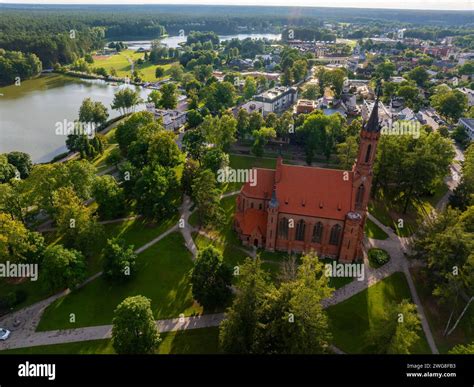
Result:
[
  {"x": 162, "y": 275},
  {"x": 352, "y": 319}
]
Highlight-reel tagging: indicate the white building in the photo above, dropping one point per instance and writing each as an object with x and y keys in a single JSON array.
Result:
[
  {"x": 278, "y": 99},
  {"x": 469, "y": 93},
  {"x": 468, "y": 123},
  {"x": 171, "y": 119}
]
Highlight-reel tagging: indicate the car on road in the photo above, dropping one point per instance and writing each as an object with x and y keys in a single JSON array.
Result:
[{"x": 4, "y": 334}]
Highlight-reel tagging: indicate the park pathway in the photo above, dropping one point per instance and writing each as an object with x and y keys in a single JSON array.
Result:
[{"x": 105, "y": 331}]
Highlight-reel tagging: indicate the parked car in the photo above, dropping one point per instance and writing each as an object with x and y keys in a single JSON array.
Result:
[{"x": 4, "y": 334}]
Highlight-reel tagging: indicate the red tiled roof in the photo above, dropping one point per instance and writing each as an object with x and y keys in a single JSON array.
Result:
[
  {"x": 314, "y": 191},
  {"x": 263, "y": 188},
  {"x": 252, "y": 219},
  {"x": 307, "y": 191}
]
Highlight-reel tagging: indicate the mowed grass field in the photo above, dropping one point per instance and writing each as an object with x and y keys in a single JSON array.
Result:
[
  {"x": 194, "y": 341},
  {"x": 163, "y": 275},
  {"x": 352, "y": 319},
  {"x": 121, "y": 62}
]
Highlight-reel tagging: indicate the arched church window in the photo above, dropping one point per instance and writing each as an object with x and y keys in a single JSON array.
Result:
[
  {"x": 283, "y": 228},
  {"x": 360, "y": 196},
  {"x": 367, "y": 155},
  {"x": 300, "y": 229},
  {"x": 335, "y": 235},
  {"x": 317, "y": 233}
]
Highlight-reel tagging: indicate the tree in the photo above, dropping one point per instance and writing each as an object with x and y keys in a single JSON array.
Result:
[
  {"x": 261, "y": 138},
  {"x": 109, "y": 197},
  {"x": 319, "y": 133},
  {"x": 154, "y": 97},
  {"x": 346, "y": 152},
  {"x": 63, "y": 268},
  {"x": 17, "y": 243},
  {"x": 194, "y": 118},
  {"x": 21, "y": 161},
  {"x": 169, "y": 99},
  {"x": 311, "y": 92},
  {"x": 461, "y": 136},
  {"x": 219, "y": 131},
  {"x": 250, "y": 87},
  {"x": 93, "y": 113},
  {"x": 450, "y": 104},
  {"x": 155, "y": 191},
  {"x": 238, "y": 331},
  {"x": 127, "y": 131},
  {"x": 292, "y": 319},
  {"x": 211, "y": 279},
  {"x": 398, "y": 330},
  {"x": 410, "y": 95},
  {"x": 242, "y": 123},
  {"x": 134, "y": 330},
  {"x": 219, "y": 95},
  {"x": 215, "y": 159},
  {"x": 419, "y": 75},
  {"x": 206, "y": 196},
  {"x": 14, "y": 199},
  {"x": 176, "y": 72},
  {"x": 159, "y": 72},
  {"x": 463, "y": 195},
  {"x": 385, "y": 70},
  {"x": 75, "y": 222},
  {"x": 119, "y": 260},
  {"x": 194, "y": 143},
  {"x": 162, "y": 149},
  {"x": 460, "y": 349},
  {"x": 445, "y": 244},
  {"x": 7, "y": 170},
  {"x": 125, "y": 100},
  {"x": 191, "y": 168}
]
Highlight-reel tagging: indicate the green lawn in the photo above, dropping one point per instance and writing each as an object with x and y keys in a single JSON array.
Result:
[
  {"x": 438, "y": 315},
  {"x": 390, "y": 215},
  {"x": 194, "y": 341},
  {"x": 352, "y": 319},
  {"x": 373, "y": 231},
  {"x": 162, "y": 275},
  {"x": 119, "y": 62}
]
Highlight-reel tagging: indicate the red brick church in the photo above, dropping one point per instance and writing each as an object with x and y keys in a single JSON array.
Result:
[{"x": 298, "y": 208}]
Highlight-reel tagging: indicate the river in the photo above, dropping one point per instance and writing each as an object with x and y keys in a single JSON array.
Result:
[
  {"x": 174, "y": 41},
  {"x": 29, "y": 113}
]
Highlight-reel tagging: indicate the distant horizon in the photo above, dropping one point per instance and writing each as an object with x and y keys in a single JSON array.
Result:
[{"x": 421, "y": 5}]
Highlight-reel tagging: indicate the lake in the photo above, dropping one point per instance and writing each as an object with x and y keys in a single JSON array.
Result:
[
  {"x": 174, "y": 41},
  {"x": 30, "y": 112}
]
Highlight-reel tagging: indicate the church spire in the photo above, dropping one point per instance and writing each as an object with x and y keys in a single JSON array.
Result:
[{"x": 373, "y": 124}]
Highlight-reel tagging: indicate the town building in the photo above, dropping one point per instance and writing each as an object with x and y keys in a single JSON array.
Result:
[
  {"x": 171, "y": 119},
  {"x": 277, "y": 99},
  {"x": 469, "y": 94},
  {"x": 298, "y": 209},
  {"x": 305, "y": 106},
  {"x": 468, "y": 123}
]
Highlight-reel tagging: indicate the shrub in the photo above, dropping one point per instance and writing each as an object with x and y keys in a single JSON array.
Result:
[{"x": 378, "y": 257}]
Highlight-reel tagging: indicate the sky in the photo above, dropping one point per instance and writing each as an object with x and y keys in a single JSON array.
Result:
[{"x": 397, "y": 4}]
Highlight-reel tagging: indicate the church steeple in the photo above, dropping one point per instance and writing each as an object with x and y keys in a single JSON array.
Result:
[
  {"x": 373, "y": 124},
  {"x": 363, "y": 167}
]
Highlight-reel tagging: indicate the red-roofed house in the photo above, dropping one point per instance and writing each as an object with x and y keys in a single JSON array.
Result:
[{"x": 297, "y": 209}]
